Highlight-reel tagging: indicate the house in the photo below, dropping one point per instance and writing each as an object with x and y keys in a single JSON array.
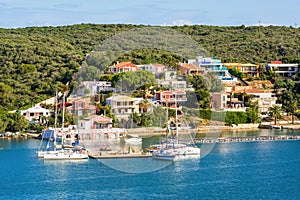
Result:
[
  {"x": 218, "y": 100},
  {"x": 99, "y": 128},
  {"x": 123, "y": 105},
  {"x": 104, "y": 86},
  {"x": 172, "y": 80},
  {"x": 95, "y": 122},
  {"x": 81, "y": 107},
  {"x": 123, "y": 67},
  {"x": 214, "y": 66},
  {"x": 284, "y": 70},
  {"x": 265, "y": 98},
  {"x": 154, "y": 68},
  {"x": 35, "y": 113},
  {"x": 250, "y": 70},
  {"x": 190, "y": 69},
  {"x": 91, "y": 86},
  {"x": 170, "y": 98}
]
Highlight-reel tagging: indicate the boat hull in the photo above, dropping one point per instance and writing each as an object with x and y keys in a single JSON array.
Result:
[{"x": 65, "y": 156}]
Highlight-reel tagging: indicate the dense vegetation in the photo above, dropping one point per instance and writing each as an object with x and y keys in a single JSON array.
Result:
[{"x": 37, "y": 61}]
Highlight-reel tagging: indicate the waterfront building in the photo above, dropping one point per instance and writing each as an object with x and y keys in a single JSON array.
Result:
[
  {"x": 225, "y": 101},
  {"x": 35, "y": 113},
  {"x": 284, "y": 70},
  {"x": 123, "y": 106},
  {"x": 218, "y": 100},
  {"x": 95, "y": 122},
  {"x": 265, "y": 98}
]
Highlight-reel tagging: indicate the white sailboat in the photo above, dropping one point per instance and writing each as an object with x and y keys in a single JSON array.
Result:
[
  {"x": 176, "y": 148},
  {"x": 60, "y": 153},
  {"x": 73, "y": 153},
  {"x": 165, "y": 153}
]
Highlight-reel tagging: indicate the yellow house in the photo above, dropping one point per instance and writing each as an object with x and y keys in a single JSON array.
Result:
[{"x": 250, "y": 70}]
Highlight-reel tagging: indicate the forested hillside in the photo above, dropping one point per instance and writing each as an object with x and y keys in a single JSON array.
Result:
[{"x": 36, "y": 61}]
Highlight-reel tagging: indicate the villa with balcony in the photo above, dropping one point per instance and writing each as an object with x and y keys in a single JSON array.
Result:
[
  {"x": 170, "y": 98},
  {"x": 35, "y": 113},
  {"x": 284, "y": 70},
  {"x": 214, "y": 66},
  {"x": 250, "y": 70}
]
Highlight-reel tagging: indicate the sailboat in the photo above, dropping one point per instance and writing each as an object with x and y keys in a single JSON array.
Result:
[
  {"x": 59, "y": 152},
  {"x": 176, "y": 148},
  {"x": 165, "y": 153}
]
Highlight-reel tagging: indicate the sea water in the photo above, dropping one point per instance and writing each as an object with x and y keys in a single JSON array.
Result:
[{"x": 241, "y": 170}]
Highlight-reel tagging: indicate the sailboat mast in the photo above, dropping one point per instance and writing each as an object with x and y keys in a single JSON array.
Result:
[
  {"x": 167, "y": 119},
  {"x": 55, "y": 120},
  {"x": 63, "y": 119},
  {"x": 176, "y": 117},
  {"x": 63, "y": 112},
  {"x": 55, "y": 112}
]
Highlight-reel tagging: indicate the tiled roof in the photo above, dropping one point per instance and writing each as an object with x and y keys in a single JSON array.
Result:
[
  {"x": 125, "y": 64},
  {"x": 158, "y": 65}
]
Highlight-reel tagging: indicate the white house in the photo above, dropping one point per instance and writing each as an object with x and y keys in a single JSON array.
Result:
[
  {"x": 35, "y": 113},
  {"x": 266, "y": 99},
  {"x": 285, "y": 70}
]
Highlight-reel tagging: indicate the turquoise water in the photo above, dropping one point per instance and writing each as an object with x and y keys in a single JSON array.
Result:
[{"x": 253, "y": 170}]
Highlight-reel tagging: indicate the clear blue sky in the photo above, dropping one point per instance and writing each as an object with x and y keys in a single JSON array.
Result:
[{"x": 23, "y": 13}]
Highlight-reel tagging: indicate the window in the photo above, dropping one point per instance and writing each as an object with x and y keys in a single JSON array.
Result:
[
  {"x": 31, "y": 114},
  {"x": 118, "y": 103}
]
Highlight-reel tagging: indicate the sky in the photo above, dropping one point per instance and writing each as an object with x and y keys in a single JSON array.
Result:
[{"x": 25, "y": 13}]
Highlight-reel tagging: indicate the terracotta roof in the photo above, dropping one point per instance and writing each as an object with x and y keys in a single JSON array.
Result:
[
  {"x": 125, "y": 64},
  {"x": 158, "y": 65},
  {"x": 99, "y": 118},
  {"x": 189, "y": 66},
  {"x": 255, "y": 91}
]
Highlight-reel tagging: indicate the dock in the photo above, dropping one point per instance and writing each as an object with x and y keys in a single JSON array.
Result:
[{"x": 247, "y": 139}]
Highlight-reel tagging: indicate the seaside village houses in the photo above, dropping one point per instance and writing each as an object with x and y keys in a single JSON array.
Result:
[{"x": 124, "y": 106}]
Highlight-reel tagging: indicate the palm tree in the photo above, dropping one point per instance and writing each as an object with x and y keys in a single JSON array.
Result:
[
  {"x": 145, "y": 106},
  {"x": 275, "y": 112},
  {"x": 293, "y": 109}
]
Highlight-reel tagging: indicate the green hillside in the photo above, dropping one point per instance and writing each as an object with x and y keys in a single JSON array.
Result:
[{"x": 37, "y": 61}]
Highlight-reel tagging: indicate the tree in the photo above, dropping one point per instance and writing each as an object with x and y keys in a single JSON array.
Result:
[
  {"x": 275, "y": 112},
  {"x": 293, "y": 109},
  {"x": 252, "y": 113},
  {"x": 16, "y": 122}
]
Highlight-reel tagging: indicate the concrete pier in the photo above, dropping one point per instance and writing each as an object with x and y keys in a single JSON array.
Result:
[{"x": 247, "y": 139}]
